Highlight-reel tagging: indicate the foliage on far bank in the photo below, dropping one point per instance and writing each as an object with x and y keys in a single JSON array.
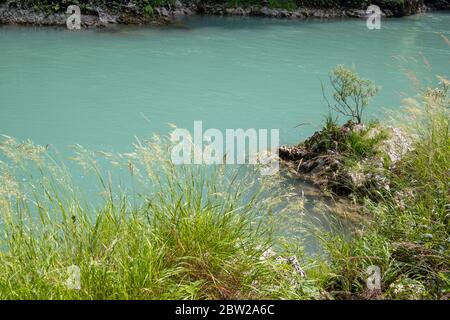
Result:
[{"x": 145, "y": 7}]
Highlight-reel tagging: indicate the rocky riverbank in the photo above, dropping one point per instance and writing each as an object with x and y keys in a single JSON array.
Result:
[
  {"x": 135, "y": 12},
  {"x": 12, "y": 12},
  {"x": 348, "y": 159}
]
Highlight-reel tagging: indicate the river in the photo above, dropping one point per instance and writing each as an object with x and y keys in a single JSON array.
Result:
[{"x": 101, "y": 88}]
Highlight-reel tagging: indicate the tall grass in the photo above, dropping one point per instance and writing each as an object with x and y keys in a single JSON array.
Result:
[
  {"x": 409, "y": 235},
  {"x": 193, "y": 232},
  {"x": 196, "y": 232}
]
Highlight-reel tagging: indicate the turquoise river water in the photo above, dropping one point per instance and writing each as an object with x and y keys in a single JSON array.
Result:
[{"x": 100, "y": 88}]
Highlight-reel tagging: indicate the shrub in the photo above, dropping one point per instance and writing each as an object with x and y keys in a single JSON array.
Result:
[
  {"x": 148, "y": 10},
  {"x": 282, "y": 4},
  {"x": 351, "y": 93}
]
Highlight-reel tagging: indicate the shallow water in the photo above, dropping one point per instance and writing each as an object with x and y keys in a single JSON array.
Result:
[{"x": 100, "y": 88}]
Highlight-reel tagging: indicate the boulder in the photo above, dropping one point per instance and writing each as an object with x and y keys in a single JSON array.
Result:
[
  {"x": 400, "y": 8},
  {"x": 323, "y": 159}
]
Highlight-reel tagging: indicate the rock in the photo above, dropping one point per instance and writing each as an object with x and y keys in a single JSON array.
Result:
[
  {"x": 296, "y": 265},
  {"x": 400, "y": 8},
  {"x": 285, "y": 13},
  {"x": 105, "y": 17},
  {"x": 321, "y": 159},
  {"x": 297, "y": 14},
  {"x": 239, "y": 12},
  {"x": 265, "y": 11},
  {"x": 269, "y": 253},
  {"x": 397, "y": 145},
  {"x": 179, "y": 5},
  {"x": 356, "y": 179},
  {"x": 356, "y": 13},
  {"x": 293, "y": 261},
  {"x": 178, "y": 12},
  {"x": 96, "y": 17},
  {"x": 388, "y": 13},
  {"x": 162, "y": 12},
  {"x": 415, "y": 254},
  {"x": 318, "y": 14},
  {"x": 292, "y": 153},
  {"x": 14, "y": 11}
]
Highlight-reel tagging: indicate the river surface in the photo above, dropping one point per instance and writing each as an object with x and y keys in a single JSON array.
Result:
[{"x": 101, "y": 88}]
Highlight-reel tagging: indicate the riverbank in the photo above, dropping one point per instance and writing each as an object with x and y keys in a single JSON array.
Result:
[
  {"x": 144, "y": 12},
  {"x": 399, "y": 176}
]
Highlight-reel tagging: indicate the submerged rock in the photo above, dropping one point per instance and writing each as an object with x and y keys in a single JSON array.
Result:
[{"x": 292, "y": 261}]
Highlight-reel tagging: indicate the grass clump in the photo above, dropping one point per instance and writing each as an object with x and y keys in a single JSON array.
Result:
[
  {"x": 190, "y": 233},
  {"x": 354, "y": 142}
]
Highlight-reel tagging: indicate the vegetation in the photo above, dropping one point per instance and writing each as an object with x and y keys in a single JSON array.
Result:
[
  {"x": 184, "y": 232},
  {"x": 354, "y": 145},
  {"x": 408, "y": 236},
  {"x": 351, "y": 93},
  {"x": 195, "y": 232},
  {"x": 404, "y": 197},
  {"x": 142, "y": 7}
]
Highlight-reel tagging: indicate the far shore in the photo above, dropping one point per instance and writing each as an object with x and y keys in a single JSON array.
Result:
[{"x": 100, "y": 17}]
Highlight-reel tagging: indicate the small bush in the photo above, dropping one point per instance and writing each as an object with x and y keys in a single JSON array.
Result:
[
  {"x": 351, "y": 94},
  {"x": 282, "y": 4},
  {"x": 148, "y": 10}
]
